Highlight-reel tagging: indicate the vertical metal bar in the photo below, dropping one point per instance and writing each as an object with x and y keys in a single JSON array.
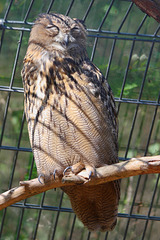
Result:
[
  {"x": 5, "y": 117},
  {"x": 57, "y": 217},
  {"x": 2, "y": 221},
  {"x": 105, "y": 16},
  {"x": 126, "y": 73},
  {"x": 145, "y": 74},
  {"x": 29, "y": 9},
  {"x": 134, "y": 198},
  {"x": 106, "y": 236},
  {"x": 23, "y": 209},
  {"x": 72, "y": 228},
  {"x": 5, "y": 17},
  {"x": 94, "y": 48},
  {"x": 149, "y": 137},
  {"x": 152, "y": 125},
  {"x": 157, "y": 30},
  {"x": 11, "y": 84},
  {"x": 30, "y": 172},
  {"x": 13, "y": 169},
  {"x": 141, "y": 24},
  {"x": 89, "y": 234},
  {"x": 110, "y": 58},
  {"x": 39, "y": 216},
  {"x": 152, "y": 222},
  {"x": 69, "y": 8},
  {"x": 19, "y": 224},
  {"x": 50, "y": 6},
  {"x": 16, "y": 153},
  {"x": 125, "y": 17},
  {"x": 4, "y": 121},
  {"x": 139, "y": 97},
  {"x": 150, "y": 207},
  {"x": 133, "y": 123},
  {"x": 88, "y": 10}
]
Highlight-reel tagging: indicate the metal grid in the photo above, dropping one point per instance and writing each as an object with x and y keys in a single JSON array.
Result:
[{"x": 130, "y": 51}]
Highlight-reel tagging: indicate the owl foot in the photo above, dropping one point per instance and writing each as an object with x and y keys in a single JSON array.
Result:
[
  {"x": 39, "y": 177},
  {"x": 76, "y": 168},
  {"x": 82, "y": 170},
  {"x": 88, "y": 173}
]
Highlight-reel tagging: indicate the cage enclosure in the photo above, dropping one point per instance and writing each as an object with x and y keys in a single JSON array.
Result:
[{"x": 125, "y": 44}]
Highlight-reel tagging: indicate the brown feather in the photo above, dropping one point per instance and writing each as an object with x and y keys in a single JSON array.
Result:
[{"x": 71, "y": 115}]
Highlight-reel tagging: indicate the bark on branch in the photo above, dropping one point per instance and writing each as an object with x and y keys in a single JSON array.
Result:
[
  {"x": 132, "y": 167},
  {"x": 151, "y": 7}
]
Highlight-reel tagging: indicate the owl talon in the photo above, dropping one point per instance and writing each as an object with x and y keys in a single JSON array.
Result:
[
  {"x": 90, "y": 175},
  {"x": 54, "y": 174},
  {"x": 39, "y": 177},
  {"x": 65, "y": 170}
]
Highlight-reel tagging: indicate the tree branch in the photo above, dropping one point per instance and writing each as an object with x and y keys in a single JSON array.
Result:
[
  {"x": 151, "y": 7},
  {"x": 132, "y": 167}
]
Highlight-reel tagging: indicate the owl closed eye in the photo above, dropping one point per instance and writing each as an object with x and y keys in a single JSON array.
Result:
[{"x": 52, "y": 30}]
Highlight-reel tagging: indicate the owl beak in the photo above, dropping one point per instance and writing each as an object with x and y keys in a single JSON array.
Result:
[{"x": 66, "y": 40}]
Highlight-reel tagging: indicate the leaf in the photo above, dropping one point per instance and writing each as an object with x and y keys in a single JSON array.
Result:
[
  {"x": 130, "y": 86},
  {"x": 154, "y": 148}
]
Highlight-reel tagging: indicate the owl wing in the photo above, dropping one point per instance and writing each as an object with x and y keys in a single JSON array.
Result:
[
  {"x": 102, "y": 94},
  {"x": 101, "y": 90},
  {"x": 71, "y": 114}
]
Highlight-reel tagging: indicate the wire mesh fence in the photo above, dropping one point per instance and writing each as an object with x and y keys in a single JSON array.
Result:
[{"x": 124, "y": 43}]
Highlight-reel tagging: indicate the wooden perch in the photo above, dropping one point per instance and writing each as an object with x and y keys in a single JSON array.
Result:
[
  {"x": 132, "y": 167},
  {"x": 151, "y": 7}
]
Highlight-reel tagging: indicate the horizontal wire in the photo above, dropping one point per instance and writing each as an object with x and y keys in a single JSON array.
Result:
[
  {"x": 121, "y": 100},
  {"x": 15, "y": 148},
  {"x": 140, "y": 37},
  {"x": 21, "y": 149},
  {"x": 57, "y": 209}
]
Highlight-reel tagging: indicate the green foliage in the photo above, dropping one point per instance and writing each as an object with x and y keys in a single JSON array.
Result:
[{"x": 154, "y": 149}]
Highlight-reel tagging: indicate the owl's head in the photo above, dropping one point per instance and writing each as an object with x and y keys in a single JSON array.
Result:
[{"x": 58, "y": 32}]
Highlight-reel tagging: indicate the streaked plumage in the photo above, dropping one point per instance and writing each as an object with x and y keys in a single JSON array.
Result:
[{"x": 71, "y": 115}]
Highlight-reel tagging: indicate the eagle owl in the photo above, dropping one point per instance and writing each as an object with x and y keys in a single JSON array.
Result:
[{"x": 71, "y": 115}]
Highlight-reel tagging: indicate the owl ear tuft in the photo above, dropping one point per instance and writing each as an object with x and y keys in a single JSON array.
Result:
[
  {"x": 40, "y": 16},
  {"x": 80, "y": 22}
]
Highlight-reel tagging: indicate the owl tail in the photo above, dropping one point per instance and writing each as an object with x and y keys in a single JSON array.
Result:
[{"x": 96, "y": 206}]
